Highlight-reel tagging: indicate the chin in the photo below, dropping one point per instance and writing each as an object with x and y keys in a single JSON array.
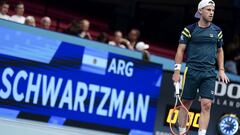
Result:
[{"x": 209, "y": 20}]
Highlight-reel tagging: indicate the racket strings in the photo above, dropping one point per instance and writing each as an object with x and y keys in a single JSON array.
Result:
[{"x": 177, "y": 107}]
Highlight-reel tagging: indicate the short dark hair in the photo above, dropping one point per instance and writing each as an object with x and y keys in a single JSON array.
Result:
[
  {"x": 19, "y": 3},
  {"x": 138, "y": 32},
  {"x": 3, "y": 2}
]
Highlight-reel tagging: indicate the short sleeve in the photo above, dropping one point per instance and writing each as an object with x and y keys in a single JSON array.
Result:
[
  {"x": 185, "y": 36},
  {"x": 220, "y": 40}
]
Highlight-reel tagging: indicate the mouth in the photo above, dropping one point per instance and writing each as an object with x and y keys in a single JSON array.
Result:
[{"x": 210, "y": 17}]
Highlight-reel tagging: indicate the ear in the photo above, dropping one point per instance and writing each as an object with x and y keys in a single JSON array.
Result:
[{"x": 200, "y": 11}]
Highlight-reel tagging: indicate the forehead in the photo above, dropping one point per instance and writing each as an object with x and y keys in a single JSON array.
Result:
[
  {"x": 5, "y": 5},
  {"x": 118, "y": 33},
  {"x": 133, "y": 32},
  {"x": 85, "y": 23},
  {"x": 20, "y": 6},
  {"x": 209, "y": 7}
]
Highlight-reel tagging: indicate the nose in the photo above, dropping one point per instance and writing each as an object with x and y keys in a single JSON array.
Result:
[{"x": 212, "y": 12}]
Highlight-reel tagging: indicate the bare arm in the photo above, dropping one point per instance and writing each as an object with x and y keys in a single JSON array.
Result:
[
  {"x": 221, "y": 74},
  {"x": 180, "y": 53},
  {"x": 178, "y": 60},
  {"x": 220, "y": 59}
]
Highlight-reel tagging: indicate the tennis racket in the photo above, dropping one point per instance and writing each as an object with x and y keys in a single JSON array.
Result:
[{"x": 177, "y": 106}]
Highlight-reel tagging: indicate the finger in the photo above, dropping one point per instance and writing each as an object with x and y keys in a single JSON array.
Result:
[
  {"x": 225, "y": 80},
  {"x": 219, "y": 78},
  {"x": 228, "y": 80},
  {"x": 222, "y": 79}
]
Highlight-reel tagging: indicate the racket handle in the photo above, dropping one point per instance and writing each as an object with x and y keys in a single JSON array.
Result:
[{"x": 177, "y": 87}]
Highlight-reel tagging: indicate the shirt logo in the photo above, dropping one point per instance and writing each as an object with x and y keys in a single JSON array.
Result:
[
  {"x": 211, "y": 35},
  {"x": 212, "y": 92}
]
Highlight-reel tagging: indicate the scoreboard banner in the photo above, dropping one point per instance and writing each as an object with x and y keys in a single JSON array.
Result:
[{"x": 55, "y": 78}]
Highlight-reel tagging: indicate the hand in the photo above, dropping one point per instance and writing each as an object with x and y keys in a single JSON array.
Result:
[
  {"x": 88, "y": 35},
  {"x": 222, "y": 77},
  {"x": 126, "y": 43},
  {"x": 176, "y": 76},
  {"x": 82, "y": 34}
]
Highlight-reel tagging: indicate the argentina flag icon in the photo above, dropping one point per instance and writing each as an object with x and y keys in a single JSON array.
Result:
[{"x": 94, "y": 61}]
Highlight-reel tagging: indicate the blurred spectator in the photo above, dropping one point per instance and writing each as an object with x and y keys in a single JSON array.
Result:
[
  {"x": 232, "y": 55},
  {"x": 133, "y": 37},
  {"x": 30, "y": 21},
  {"x": 18, "y": 17},
  {"x": 119, "y": 41},
  {"x": 46, "y": 22},
  {"x": 4, "y": 6},
  {"x": 84, "y": 29},
  {"x": 74, "y": 28},
  {"x": 103, "y": 37},
  {"x": 141, "y": 46}
]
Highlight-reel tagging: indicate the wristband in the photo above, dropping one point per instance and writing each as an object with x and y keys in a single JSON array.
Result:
[
  {"x": 221, "y": 69},
  {"x": 177, "y": 67}
]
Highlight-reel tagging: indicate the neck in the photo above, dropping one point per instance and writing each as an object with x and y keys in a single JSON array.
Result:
[
  {"x": 202, "y": 23},
  {"x": 133, "y": 42}
]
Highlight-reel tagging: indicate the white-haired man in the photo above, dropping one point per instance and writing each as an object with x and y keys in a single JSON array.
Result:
[{"x": 46, "y": 22}]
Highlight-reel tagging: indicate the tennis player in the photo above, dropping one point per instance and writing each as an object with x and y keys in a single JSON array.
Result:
[{"x": 203, "y": 43}]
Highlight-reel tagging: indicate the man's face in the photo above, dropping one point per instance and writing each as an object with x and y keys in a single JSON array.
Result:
[
  {"x": 46, "y": 24},
  {"x": 133, "y": 35},
  {"x": 20, "y": 9},
  {"x": 85, "y": 26},
  {"x": 207, "y": 13},
  {"x": 31, "y": 23},
  {"x": 117, "y": 36},
  {"x": 4, "y": 9}
]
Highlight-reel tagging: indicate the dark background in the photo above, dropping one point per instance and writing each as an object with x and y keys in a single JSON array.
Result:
[{"x": 159, "y": 20}]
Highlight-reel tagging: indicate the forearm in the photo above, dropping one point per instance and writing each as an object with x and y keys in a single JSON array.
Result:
[
  {"x": 220, "y": 59},
  {"x": 179, "y": 58},
  {"x": 179, "y": 54}
]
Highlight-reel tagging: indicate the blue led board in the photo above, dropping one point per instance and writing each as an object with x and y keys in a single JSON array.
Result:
[{"x": 55, "y": 78}]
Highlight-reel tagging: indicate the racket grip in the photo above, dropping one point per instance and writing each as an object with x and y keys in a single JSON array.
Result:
[{"x": 177, "y": 88}]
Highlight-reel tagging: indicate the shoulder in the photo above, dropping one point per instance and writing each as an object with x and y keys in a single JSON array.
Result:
[
  {"x": 191, "y": 27},
  {"x": 13, "y": 16},
  {"x": 111, "y": 43},
  {"x": 216, "y": 28},
  {"x": 187, "y": 31}
]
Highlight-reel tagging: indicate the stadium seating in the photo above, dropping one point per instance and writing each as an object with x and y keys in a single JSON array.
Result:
[{"x": 61, "y": 20}]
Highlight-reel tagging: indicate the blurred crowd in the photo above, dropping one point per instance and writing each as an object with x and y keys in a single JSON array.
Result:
[
  {"x": 232, "y": 56},
  {"x": 19, "y": 17},
  {"x": 79, "y": 28}
]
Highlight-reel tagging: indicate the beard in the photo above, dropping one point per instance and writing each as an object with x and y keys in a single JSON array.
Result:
[{"x": 208, "y": 19}]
